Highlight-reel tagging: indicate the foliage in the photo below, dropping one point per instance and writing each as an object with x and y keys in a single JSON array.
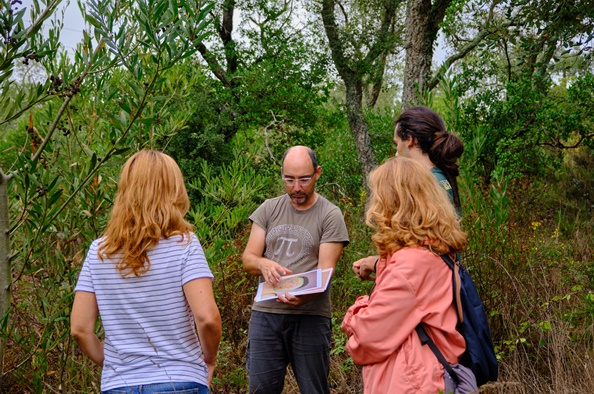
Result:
[
  {"x": 522, "y": 84},
  {"x": 520, "y": 252},
  {"x": 273, "y": 73},
  {"x": 341, "y": 175},
  {"x": 221, "y": 225},
  {"x": 528, "y": 274},
  {"x": 526, "y": 124},
  {"x": 202, "y": 140},
  {"x": 75, "y": 136},
  {"x": 136, "y": 82},
  {"x": 19, "y": 41},
  {"x": 273, "y": 79},
  {"x": 284, "y": 74}
]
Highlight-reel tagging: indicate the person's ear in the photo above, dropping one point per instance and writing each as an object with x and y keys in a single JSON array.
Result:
[
  {"x": 411, "y": 142},
  {"x": 318, "y": 172}
]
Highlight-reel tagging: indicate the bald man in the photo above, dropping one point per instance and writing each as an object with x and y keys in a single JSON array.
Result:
[{"x": 293, "y": 233}]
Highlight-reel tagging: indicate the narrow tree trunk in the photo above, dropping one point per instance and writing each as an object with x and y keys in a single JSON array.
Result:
[
  {"x": 5, "y": 272},
  {"x": 354, "y": 90},
  {"x": 359, "y": 127}
]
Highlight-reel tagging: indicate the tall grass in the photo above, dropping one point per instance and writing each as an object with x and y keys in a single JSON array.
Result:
[{"x": 536, "y": 285}]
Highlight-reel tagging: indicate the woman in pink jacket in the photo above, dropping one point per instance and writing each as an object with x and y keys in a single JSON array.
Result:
[{"x": 414, "y": 223}]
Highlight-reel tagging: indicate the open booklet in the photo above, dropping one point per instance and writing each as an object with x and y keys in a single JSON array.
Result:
[{"x": 314, "y": 281}]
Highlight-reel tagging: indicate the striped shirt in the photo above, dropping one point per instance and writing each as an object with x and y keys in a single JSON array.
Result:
[{"x": 150, "y": 336}]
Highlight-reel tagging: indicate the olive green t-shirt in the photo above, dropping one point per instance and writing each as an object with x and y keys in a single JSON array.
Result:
[{"x": 443, "y": 181}]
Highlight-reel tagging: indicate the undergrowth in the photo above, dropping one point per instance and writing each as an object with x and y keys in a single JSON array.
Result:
[{"x": 530, "y": 254}]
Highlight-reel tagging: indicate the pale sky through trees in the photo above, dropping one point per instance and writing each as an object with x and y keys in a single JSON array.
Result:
[
  {"x": 74, "y": 25},
  {"x": 73, "y": 22}
]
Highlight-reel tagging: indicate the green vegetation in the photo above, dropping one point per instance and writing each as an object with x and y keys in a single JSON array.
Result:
[{"x": 226, "y": 103}]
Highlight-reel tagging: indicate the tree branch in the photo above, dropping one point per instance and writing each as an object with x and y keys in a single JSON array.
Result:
[
  {"x": 214, "y": 65},
  {"x": 560, "y": 145},
  {"x": 5, "y": 178},
  {"x": 227, "y": 26},
  {"x": 274, "y": 122},
  {"x": 225, "y": 34},
  {"x": 461, "y": 54},
  {"x": 69, "y": 96},
  {"x": 383, "y": 42},
  {"x": 34, "y": 27},
  {"x": 508, "y": 60},
  {"x": 377, "y": 81},
  {"x": 24, "y": 109},
  {"x": 438, "y": 10},
  {"x": 344, "y": 13},
  {"x": 225, "y": 30},
  {"x": 334, "y": 41}
]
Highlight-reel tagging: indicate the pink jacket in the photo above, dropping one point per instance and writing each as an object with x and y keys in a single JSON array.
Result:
[{"x": 414, "y": 285}]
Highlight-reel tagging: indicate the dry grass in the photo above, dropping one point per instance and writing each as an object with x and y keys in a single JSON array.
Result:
[
  {"x": 340, "y": 381},
  {"x": 559, "y": 367}
]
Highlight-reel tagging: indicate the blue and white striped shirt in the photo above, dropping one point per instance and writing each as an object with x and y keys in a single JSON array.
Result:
[{"x": 150, "y": 335}]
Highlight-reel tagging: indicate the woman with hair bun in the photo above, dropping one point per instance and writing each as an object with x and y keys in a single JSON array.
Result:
[
  {"x": 420, "y": 134},
  {"x": 148, "y": 279},
  {"x": 414, "y": 223}
]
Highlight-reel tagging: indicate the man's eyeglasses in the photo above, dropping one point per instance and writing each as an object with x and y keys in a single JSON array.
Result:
[{"x": 303, "y": 181}]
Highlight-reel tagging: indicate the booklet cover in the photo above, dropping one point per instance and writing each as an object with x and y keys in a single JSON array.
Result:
[{"x": 314, "y": 281}]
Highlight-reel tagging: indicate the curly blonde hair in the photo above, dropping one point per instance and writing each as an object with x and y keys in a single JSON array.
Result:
[
  {"x": 409, "y": 208},
  {"x": 150, "y": 204}
]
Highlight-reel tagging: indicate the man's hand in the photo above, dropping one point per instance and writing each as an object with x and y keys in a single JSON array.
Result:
[
  {"x": 364, "y": 268},
  {"x": 272, "y": 271},
  {"x": 295, "y": 301}
]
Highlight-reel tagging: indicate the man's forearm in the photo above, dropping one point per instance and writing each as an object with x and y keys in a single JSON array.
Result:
[{"x": 251, "y": 264}]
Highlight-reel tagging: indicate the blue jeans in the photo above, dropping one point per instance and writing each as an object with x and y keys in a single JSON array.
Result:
[
  {"x": 275, "y": 340},
  {"x": 162, "y": 388}
]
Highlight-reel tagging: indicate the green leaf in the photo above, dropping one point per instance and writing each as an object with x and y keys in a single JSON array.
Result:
[
  {"x": 138, "y": 91},
  {"x": 123, "y": 105},
  {"x": 92, "y": 163},
  {"x": 54, "y": 197}
]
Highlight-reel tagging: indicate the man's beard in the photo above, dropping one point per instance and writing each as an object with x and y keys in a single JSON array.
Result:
[{"x": 299, "y": 198}]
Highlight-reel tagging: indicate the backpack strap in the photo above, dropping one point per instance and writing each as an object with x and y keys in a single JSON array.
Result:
[
  {"x": 455, "y": 266},
  {"x": 426, "y": 340}
]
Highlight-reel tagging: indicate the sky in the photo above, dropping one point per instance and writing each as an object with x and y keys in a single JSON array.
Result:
[{"x": 73, "y": 22}]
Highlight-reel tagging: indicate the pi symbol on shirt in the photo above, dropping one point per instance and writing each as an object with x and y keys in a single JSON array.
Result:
[
  {"x": 284, "y": 245},
  {"x": 288, "y": 243}
]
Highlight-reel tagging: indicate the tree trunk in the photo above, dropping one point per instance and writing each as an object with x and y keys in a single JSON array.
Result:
[
  {"x": 5, "y": 272},
  {"x": 422, "y": 21},
  {"x": 353, "y": 81},
  {"x": 225, "y": 73},
  {"x": 359, "y": 127}
]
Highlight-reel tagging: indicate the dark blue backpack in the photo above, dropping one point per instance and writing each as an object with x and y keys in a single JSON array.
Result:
[{"x": 472, "y": 324}]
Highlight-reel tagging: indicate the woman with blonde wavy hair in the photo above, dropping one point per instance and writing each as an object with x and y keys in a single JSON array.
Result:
[
  {"x": 414, "y": 223},
  {"x": 421, "y": 134},
  {"x": 148, "y": 279}
]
